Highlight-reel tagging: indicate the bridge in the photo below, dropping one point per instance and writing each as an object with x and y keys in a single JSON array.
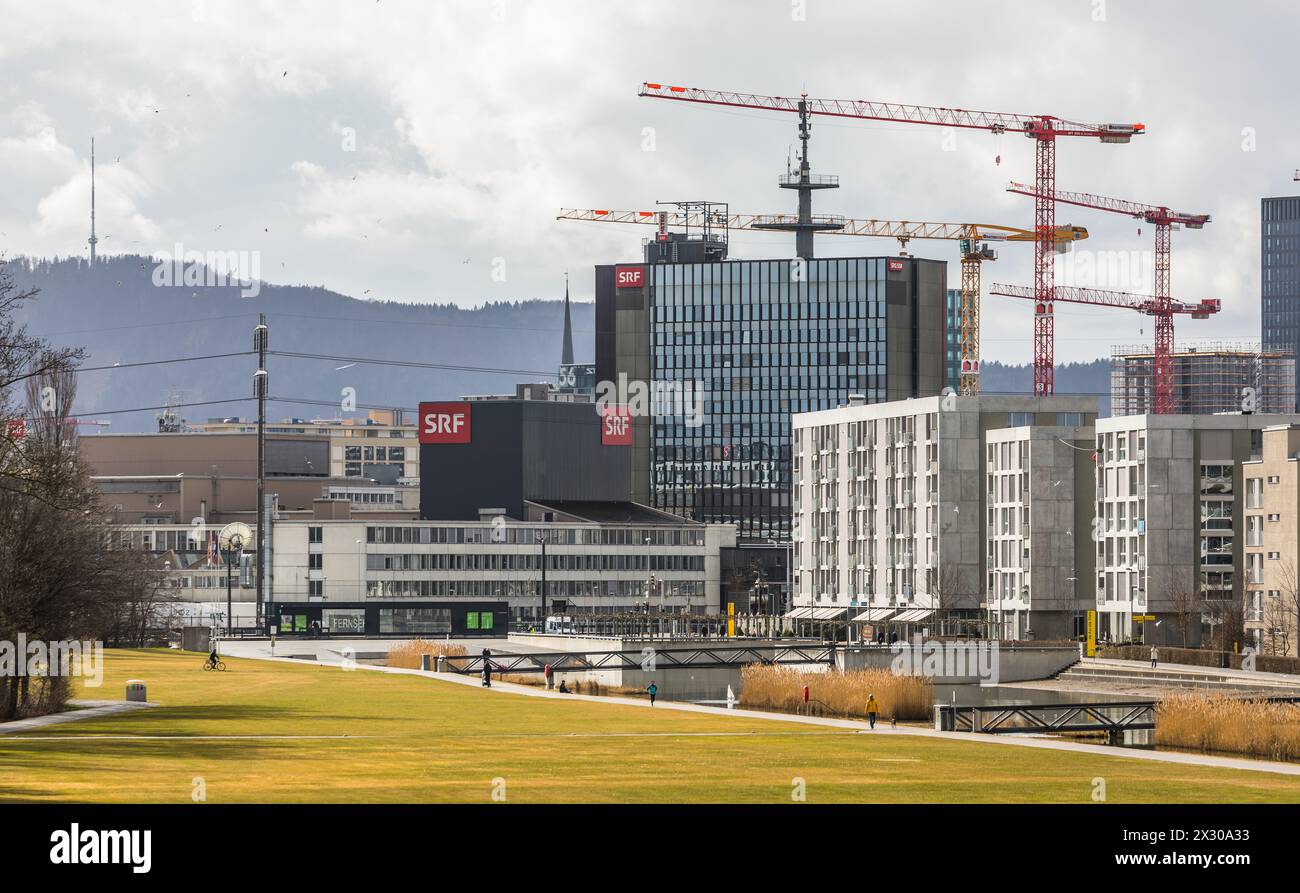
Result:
[
  {"x": 646, "y": 658},
  {"x": 1111, "y": 717}
]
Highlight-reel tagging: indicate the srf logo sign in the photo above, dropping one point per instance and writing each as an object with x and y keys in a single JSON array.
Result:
[
  {"x": 895, "y": 266},
  {"x": 629, "y": 277},
  {"x": 615, "y": 426},
  {"x": 444, "y": 422}
]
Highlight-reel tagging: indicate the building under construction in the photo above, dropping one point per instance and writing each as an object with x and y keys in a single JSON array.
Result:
[{"x": 1209, "y": 377}]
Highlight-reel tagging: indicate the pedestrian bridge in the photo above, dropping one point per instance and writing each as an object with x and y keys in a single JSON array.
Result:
[{"x": 648, "y": 658}]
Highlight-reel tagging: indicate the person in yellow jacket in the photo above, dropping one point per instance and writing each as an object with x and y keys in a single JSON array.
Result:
[{"x": 873, "y": 709}]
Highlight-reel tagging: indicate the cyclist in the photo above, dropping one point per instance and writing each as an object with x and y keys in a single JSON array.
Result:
[{"x": 212, "y": 657}]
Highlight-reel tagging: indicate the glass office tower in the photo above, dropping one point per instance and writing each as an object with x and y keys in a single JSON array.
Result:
[
  {"x": 1280, "y": 274},
  {"x": 761, "y": 340}
]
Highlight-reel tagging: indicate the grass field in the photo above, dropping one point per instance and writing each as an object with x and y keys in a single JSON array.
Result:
[{"x": 413, "y": 739}]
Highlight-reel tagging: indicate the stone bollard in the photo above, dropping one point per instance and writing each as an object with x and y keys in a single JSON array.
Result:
[
  {"x": 135, "y": 690},
  {"x": 442, "y": 663}
]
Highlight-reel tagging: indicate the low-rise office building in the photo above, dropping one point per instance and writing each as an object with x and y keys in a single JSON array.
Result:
[{"x": 375, "y": 578}]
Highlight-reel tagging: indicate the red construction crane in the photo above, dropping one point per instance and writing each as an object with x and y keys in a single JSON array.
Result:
[
  {"x": 1044, "y": 129},
  {"x": 1164, "y": 221},
  {"x": 1162, "y": 310}
]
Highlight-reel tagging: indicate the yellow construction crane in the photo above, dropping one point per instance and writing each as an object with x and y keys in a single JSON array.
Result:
[{"x": 973, "y": 239}]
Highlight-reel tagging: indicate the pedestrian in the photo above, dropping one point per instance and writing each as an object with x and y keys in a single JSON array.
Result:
[
  {"x": 547, "y": 673},
  {"x": 873, "y": 710},
  {"x": 564, "y": 689},
  {"x": 1155, "y": 656},
  {"x": 652, "y": 690},
  {"x": 487, "y": 668}
]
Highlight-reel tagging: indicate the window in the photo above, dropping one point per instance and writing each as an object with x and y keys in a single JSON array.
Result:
[
  {"x": 314, "y": 561},
  {"x": 314, "y": 534},
  {"x": 479, "y": 620},
  {"x": 1019, "y": 419},
  {"x": 1069, "y": 419},
  {"x": 1253, "y": 493},
  {"x": 315, "y": 587}
]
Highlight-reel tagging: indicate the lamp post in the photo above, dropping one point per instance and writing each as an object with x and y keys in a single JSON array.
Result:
[
  {"x": 541, "y": 539},
  {"x": 234, "y": 547}
]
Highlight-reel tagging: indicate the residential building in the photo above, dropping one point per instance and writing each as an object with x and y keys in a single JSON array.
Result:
[
  {"x": 1038, "y": 522},
  {"x": 891, "y": 506},
  {"x": 1272, "y": 547},
  {"x": 1169, "y": 521}
]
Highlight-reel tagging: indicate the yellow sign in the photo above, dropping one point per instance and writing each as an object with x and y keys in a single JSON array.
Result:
[
  {"x": 1144, "y": 618},
  {"x": 1092, "y": 634},
  {"x": 731, "y": 620}
]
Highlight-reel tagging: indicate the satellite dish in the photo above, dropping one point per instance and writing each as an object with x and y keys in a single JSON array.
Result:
[{"x": 235, "y": 537}]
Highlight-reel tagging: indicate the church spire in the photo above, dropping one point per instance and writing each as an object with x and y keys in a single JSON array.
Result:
[{"x": 566, "y": 352}]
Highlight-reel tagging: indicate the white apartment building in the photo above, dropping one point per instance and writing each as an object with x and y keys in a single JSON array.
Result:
[
  {"x": 890, "y": 502},
  {"x": 1168, "y": 521},
  {"x": 1039, "y": 556}
]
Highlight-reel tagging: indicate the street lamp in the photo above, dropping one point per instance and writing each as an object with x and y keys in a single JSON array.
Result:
[
  {"x": 541, "y": 540},
  {"x": 234, "y": 547}
]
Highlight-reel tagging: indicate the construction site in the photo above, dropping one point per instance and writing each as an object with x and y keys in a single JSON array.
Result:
[{"x": 1208, "y": 377}]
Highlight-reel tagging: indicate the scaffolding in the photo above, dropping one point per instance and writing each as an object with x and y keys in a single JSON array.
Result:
[{"x": 1209, "y": 377}]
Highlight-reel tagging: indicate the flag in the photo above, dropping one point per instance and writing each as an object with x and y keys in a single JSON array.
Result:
[{"x": 214, "y": 555}]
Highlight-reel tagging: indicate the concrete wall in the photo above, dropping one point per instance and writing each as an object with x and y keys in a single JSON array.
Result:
[{"x": 1013, "y": 665}]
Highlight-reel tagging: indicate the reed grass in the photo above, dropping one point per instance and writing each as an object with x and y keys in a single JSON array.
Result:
[
  {"x": 407, "y": 654},
  {"x": 1224, "y": 724},
  {"x": 845, "y": 694}
]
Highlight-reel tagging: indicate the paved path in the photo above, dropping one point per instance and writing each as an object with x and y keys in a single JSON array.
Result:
[
  {"x": 857, "y": 726},
  {"x": 87, "y": 710},
  {"x": 1140, "y": 666}
]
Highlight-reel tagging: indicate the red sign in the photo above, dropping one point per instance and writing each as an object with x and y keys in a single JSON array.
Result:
[
  {"x": 444, "y": 423},
  {"x": 629, "y": 277},
  {"x": 615, "y": 426},
  {"x": 895, "y": 266}
]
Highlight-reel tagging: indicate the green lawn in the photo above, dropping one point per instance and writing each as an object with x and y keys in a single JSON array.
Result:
[{"x": 422, "y": 740}]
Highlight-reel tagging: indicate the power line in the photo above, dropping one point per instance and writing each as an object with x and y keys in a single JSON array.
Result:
[
  {"x": 213, "y": 356},
  {"x": 370, "y": 361}
]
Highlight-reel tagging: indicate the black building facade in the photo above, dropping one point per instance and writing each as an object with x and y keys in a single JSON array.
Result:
[{"x": 503, "y": 453}]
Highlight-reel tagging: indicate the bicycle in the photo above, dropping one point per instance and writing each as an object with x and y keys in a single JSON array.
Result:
[{"x": 218, "y": 665}]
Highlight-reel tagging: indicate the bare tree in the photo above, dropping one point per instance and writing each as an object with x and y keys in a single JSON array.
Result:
[
  {"x": 59, "y": 578},
  {"x": 1184, "y": 602}
]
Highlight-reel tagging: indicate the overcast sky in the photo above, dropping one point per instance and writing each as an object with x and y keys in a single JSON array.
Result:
[{"x": 407, "y": 150}]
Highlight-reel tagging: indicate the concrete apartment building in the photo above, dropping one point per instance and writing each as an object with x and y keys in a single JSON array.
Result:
[
  {"x": 1039, "y": 558},
  {"x": 1272, "y": 548},
  {"x": 891, "y": 502},
  {"x": 1169, "y": 520}
]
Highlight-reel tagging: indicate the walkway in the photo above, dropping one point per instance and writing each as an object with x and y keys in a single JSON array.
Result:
[{"x": 85, "y": 710}]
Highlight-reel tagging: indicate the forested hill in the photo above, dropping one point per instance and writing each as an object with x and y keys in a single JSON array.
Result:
[{"x": 119, "y": 315}]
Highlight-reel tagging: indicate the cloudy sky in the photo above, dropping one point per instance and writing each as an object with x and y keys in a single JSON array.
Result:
[{"x": 410, "y": 150}]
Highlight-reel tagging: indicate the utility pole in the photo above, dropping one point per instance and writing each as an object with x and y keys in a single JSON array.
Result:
[{"x": 260, "y": 391}]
